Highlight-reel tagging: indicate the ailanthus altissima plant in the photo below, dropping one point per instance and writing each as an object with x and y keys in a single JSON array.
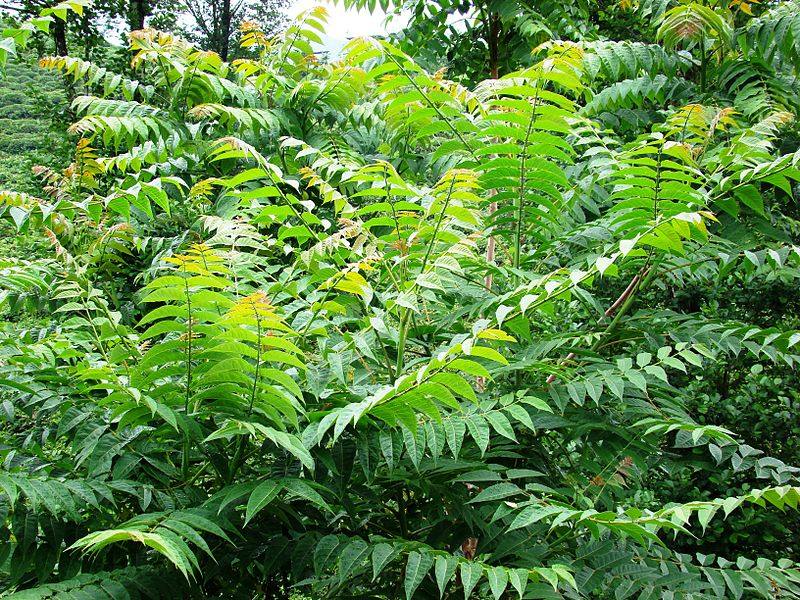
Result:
[{"x": 413, "y": 340}]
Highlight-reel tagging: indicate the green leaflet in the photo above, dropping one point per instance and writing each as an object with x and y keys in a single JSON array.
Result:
[
  {"x": 417, "y": 567},
  {"x": 532, "y": 514},
  {"x": 261, "y": 497},
  {"x": 498, "y": 580},
  {"x": 351, "y": 557},
  {"x": 470, "y": 576},
  {"x": 382, "y": 555},
  {"x": 444, "y": 570}
]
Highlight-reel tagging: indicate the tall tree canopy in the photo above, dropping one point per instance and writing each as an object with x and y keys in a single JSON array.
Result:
[{"x": 217, "y": 23}]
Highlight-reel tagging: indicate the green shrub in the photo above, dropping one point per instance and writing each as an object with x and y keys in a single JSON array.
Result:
[{"x": 354, "y": 329}]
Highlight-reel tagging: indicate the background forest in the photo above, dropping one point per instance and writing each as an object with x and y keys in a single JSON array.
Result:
[{"x": 501, "y": 306}]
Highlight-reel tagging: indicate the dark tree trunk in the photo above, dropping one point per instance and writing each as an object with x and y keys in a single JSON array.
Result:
[
  {"x": 493, "y": 41},
  {"x": 138, "y": 13},
  {"x": 60, "y": 37},
  {"x": 225, "y": 29},
  {"x": 86, "y": 31},
  {"x": 59, "y": 29},
  {"x": 494, "y": 45}
]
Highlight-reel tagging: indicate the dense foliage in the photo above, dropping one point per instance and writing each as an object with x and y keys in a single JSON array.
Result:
[{"x": 352, "y": 329}]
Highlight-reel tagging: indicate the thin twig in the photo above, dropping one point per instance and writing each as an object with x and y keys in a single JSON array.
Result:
[{"x": 611, "y": 310}]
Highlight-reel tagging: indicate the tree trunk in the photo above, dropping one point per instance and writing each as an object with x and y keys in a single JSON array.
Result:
[
  {"x": 137, "y": 14},
  {"x": 59, "y": 29},
  {"x": 493, "y": 42},
  {"x": 86, "y": 31},
  {"x": 225, "y": 29},
  {"x": 494, "y": 45},
  {"x": 60, "y": 37}
]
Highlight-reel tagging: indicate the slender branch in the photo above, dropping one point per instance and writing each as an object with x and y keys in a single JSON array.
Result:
[{"x": 611, "y": 310}]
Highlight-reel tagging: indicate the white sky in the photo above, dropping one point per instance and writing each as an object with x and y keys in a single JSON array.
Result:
[{"x": 344, "y": 24}]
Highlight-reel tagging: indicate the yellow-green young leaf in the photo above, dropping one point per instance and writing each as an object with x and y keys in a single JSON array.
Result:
[
  {"x": 188, "y": 533},
  {"x": 166, "y": 294},
  {"x": 488, "y": 353},
  {"x": 537, "y": 403},
  {"x": 161, "y": 328},
  {"x": 178, "y": 556},
  {"x": 496, "y": 334},
  {"x": 200, "y": 523},
  {"x": 171, "y": 545},
  {"x": 469, "y": 367},
  {"x": 280, "y": 356},
  {"x": 162, "y": 312},
  {"x": 439, "y": 393}
]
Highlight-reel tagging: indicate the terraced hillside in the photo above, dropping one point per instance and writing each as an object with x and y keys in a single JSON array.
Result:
[
  {"x": 30, "y": 100},
  {"x": 32, "y": 132}
]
